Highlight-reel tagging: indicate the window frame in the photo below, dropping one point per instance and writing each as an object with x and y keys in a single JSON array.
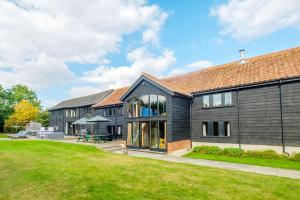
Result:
[
  {"x": 210, "y": 97},
  {"x": 221, "y": 129}
]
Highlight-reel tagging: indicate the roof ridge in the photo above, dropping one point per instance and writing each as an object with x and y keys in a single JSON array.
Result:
[
  {"x": 235, "y": 62},
  {"x": 88, "y": 95}
]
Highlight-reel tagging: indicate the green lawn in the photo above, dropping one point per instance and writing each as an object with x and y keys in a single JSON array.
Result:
[
  {"x": 52, "y": 170},
  {"x": 279, "y": 163},
  {"x": 2, "y": 135}
]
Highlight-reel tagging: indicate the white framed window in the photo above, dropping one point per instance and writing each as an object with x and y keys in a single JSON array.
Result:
[
  {"x": 228, "y": 99},
  {"x": 217, "y": 100},
  {"x": 206, "y": 103}
]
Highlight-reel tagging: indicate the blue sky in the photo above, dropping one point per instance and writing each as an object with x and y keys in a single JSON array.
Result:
[{"x": 63, "y": 51}]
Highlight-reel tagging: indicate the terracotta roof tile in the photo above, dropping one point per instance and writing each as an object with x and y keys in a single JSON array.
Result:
[
  {"x": 270, "y": 67},
  {"x": 113, "y": 98}
]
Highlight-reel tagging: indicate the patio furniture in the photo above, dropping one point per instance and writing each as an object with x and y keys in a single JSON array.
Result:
[
  {"x": 19, "y": 135},
  {"x": 50, "y": 135},
  {"x": 84, "y": 136},
  {"x": 104, "y": 138}
]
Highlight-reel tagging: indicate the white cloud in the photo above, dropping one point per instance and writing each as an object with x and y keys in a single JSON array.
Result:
[
  {"x": 105, "y": 77},
  {"x": 37, "y": 73},
  {"x": 38, "y": 37},
  {"x": 251, "y": 19},
  {"x": 200, "y": 64},
  {"x": 83, "y": 90}
]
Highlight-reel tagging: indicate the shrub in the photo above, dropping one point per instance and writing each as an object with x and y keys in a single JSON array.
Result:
[
  {"x": 235, "y": 152},
  {"x": 208, "y": 150},
  {"x": 263, "y": 154},
  {"x": 296, "y": 157}
]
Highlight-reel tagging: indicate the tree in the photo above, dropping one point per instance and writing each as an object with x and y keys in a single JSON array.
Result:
[
  {"x": 10, "y": 97},
  {"x": 23, "y": 112},
  {"x": 21, "y": 92},
  {"x": 43, "y": 118}
]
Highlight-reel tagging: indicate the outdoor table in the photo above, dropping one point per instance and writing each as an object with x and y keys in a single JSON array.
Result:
[{"x": 103, "y": 138}]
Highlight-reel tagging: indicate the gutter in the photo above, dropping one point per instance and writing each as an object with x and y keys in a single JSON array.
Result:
[
  {"x": 238, "y": 116},
  {"x": 191, "y": 118},
  {"x": 281, "y": 117},
  {"x": 275, "y": 82}
]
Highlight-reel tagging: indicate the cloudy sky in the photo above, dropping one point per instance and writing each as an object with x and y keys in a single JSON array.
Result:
[{"x": 69, "y": 48}]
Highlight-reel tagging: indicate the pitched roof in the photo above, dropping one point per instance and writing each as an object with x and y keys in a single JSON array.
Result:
[
  {"x": 270, "y": 67},
  {"x": 170, "y": 86},
  {"x": 113, "y": 98},
  {"x": 82, "y": 101}
]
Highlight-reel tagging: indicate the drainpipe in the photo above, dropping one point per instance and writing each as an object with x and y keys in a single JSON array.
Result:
[
  {"x": 281, "y": 117},
  {"x": 238, "y": 116},
  {"x": 191, "y": 125}
]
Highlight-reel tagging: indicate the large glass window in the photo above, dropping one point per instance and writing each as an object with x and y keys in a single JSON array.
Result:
[
  {"x": 129, "y": 108},
  {"x": 217, "y": 100},
  {"x": 153, "y": 105},
  {"x": 228, "y": 99},
  {"x": 135, "y": 108},
  {"x": 162, "y": 105},
  {"x": 206, "y": 101},
  {"x": 144, "y": 106},
  {"x": 162, "y": 134},
  {"x": 135, "y": 134},
  {"x": 129, "y": 134},
  {"x": 145, "y": 134},
  {"x": 154, "y": 135}
]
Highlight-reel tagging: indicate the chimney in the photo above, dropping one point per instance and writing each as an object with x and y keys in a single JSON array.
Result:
[{"x": 242, "y": 54}]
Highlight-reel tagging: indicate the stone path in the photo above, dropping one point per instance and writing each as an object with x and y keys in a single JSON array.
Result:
[{"x": 295, "y": 174}]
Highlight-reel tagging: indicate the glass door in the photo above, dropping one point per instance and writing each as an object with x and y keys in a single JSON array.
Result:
[
  {"x": 158, "y": 132},
  {"x": 145, "y": 134}
]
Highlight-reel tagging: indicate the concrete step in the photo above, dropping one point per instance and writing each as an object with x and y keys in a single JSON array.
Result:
[{"x": 112, "y": 148}]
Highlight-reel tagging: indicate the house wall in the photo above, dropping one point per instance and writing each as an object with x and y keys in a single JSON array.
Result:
[
  {"x": 259, "y": 116},
  {"x": 116, "y": 120},
  {"x": 180, "y": 118},
  {"x": 58, "y": 117},
  {"x": 177, "y": 107},
  {"x": 147, "y": 88}
]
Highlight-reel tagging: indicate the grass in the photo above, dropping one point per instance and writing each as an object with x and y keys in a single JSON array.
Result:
[
  {"x": 53, "y": 170},
  {"x": 278, "y": 163},
  {"x": 2, "y": 135}
]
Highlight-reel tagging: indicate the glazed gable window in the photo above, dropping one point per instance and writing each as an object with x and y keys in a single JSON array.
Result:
[{"x": 149, "y": 105}]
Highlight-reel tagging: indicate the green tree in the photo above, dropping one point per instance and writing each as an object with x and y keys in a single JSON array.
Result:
[
  {"x": 9, "y": 98},
  {"x": 24, "y": 112},
  {"x": 43, "y": 118},
  {"x": 21, "y": 92}
]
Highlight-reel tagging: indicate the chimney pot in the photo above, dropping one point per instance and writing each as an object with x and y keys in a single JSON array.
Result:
[{"x": 242, "y": 56}]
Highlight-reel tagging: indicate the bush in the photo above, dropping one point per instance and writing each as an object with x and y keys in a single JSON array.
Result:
[
  {"x": 296, "y": 157},
  {"x": 235, "y": 152},
  {"x": 208, "y": 150},
  {"x": 263, "y": 154}
]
